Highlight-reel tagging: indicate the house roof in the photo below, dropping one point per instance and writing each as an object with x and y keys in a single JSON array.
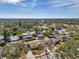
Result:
[{"x": 14, "y": 37}]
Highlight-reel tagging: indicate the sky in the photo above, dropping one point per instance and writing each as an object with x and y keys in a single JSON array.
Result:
[{"x": 39, "y": 8}]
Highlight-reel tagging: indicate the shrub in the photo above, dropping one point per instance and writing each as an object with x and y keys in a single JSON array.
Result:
[{"x": 70, "y": 49}]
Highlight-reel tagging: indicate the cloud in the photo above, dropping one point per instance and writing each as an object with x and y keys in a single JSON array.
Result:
[
  {"x": 74, "y": 4},
  {"x": 14, "y": 2},
  {"x": 31, "y": 4},
  {"x": 20, "y": 3}
]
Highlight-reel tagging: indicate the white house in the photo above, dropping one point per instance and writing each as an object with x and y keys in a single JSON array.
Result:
[
  {"x": 62, "y": 31},
  {"x": 14, "y": 38},
  {"x": 25, "y": 36}
]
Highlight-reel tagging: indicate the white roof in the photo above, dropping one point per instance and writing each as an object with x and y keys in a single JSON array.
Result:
[{"x": 14, "y": 37}]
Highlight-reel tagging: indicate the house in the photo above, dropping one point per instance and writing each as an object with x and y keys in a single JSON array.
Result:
[
  {"x": 61, "y": 31},
  {"x": 14, "y": 38},
  {"x": 38, "y": 34},
  {"x": 43, "y": 26},
  {"x": 27, "y": 35}
]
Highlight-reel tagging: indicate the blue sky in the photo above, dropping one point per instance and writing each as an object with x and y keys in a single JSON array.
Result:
[{"x": 39, "y": 8}]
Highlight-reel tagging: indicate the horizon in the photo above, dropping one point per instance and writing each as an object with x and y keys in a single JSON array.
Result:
[
  {"x": 39, "y": 9},
  {"x": 34, "y": 18}
]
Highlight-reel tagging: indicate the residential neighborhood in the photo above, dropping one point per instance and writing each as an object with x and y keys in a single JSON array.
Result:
[{"x": 37, "y": 41}]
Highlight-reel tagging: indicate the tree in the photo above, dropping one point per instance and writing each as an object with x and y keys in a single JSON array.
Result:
[
  {"x": 20, "y": 24},
  {"x": 17, "y": 31},
  {"x": 48, "y": 32},
  {"x": 6, "y": 35}
]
